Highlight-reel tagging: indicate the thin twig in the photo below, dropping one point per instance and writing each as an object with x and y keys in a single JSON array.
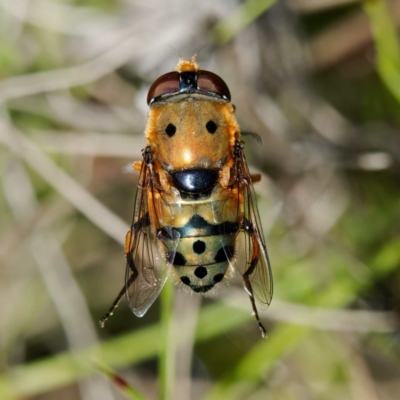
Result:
[
  {"x": 60, "y": 283},
  {"x": 119, "y": 52},
  {"x": 91, "y": 144},
  {"x": 362, "y": 382},
  {"x": 86, "y": 203},
  {"x": 320, "y": 318}
]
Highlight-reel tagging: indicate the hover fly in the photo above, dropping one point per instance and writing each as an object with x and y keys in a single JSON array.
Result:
[{"x": 195, "y": 215}]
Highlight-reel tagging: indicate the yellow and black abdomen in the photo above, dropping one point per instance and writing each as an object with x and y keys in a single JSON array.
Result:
[
  {"x": 203, "y": 252},
  {"x": 205, "y": 240}
]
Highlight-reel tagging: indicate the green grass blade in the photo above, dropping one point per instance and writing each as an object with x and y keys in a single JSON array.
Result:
[
  {"x": 65, "y": 368},
  {"x": 123, "y": 351},
  {"x": 140, "y": 345},
  {"x": 285, "y": 338},
  {"x": 241, "y": 17},
  {"x": 128, "y": 390},
  {"x": 387, "y": 44},
  {"x": 168, "y": 348},
  {"x": 259, "y": 360}
]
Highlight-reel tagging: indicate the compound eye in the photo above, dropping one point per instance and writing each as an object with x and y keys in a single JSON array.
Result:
[
  {"x": 167, "y": 83},
  {"x": 211, "y": 82}
]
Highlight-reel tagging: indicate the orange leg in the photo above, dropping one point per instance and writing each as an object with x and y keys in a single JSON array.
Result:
[
  {"x": 137, "y": 166},
  {"x": 255, "y": 178}
]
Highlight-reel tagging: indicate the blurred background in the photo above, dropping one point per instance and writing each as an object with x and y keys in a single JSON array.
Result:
[{"x": 319, "y": 81}]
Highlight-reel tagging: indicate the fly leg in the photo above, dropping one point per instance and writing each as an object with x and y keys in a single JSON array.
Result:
[
  {"x": 248, "y": 227},
  {"x": 129, "y": 282},
  {"x": 121, "y": 294},
  {"x": 249, "y": 290},
  {"x": 255, "y": 177}
]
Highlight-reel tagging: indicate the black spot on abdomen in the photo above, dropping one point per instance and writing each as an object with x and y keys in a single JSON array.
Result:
[
  {"x": 202, "y": 289},
  {"x": 199, "y": 247},
  {"x": 179, "y": 259},
  {"x": 224, "y": 254},
  {"x": 201, "y": 272},
  {"x": 185, "y": 280}
]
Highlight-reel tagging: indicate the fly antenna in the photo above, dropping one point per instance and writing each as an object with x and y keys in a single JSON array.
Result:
[
  {"x": 176, "y": 51},
  {"x": 197, "y": 52}
]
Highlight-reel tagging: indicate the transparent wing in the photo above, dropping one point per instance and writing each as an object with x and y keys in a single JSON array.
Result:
[
  {"x": 251, "y": 257},
  {"x": 146, "y": 254}
]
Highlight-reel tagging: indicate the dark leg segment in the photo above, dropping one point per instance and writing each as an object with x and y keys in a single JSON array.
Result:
[
  {"x": 249, "y": 290},
  {"x": 121, "y": 294},
  {"x": 248, "y": 227},
  {"x": 113, "y": 307},
  {"x": 129, "y": 282}
]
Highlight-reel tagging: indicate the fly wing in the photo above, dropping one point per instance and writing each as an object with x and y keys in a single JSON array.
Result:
[
  {"x": 251, "y": 255},
  {"x": 146, "y": 254}
]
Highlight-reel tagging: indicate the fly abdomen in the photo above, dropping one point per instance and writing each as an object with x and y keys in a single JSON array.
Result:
[
  {"x": 202, "y": 261},
  {"x": 203, "y": 251}
]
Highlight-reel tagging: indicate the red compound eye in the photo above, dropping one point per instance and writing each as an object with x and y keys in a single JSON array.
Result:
[
  {"x": 167, "y": 83},
  {"x": 209, "y": 82},
  {"x": 201, "y": 82}
]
